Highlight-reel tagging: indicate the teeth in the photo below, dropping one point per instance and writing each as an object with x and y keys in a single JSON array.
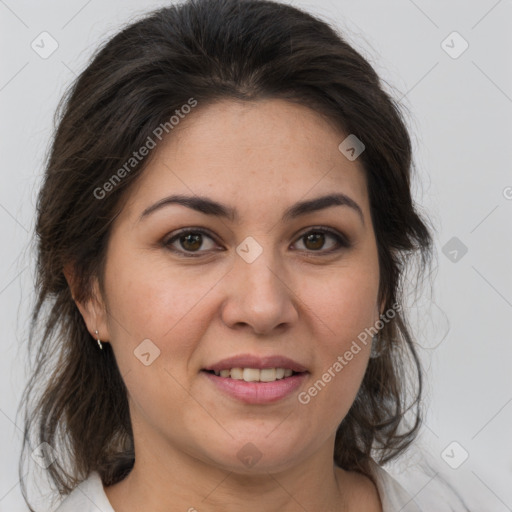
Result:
[
  {"x": 236, "y": 373},
  {"x": 255, "y": 375},
  {"x": 267, "y": 374},
  {"x": 251, "y": 375}
]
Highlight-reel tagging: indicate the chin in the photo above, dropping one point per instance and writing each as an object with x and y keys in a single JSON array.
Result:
[{"x": 254, "y": 455}]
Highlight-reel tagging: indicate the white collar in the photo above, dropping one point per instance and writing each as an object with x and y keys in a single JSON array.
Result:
[{"x": 89, "y": 495}]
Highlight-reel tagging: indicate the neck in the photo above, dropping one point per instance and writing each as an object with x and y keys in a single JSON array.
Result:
[{"x": 170, "y": 479}]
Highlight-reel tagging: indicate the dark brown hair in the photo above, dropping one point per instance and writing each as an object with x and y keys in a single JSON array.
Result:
[{"x": 245, "y": 50}]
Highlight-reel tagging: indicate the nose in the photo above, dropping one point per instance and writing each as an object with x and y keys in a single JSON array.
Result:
[{"x": 259, "y": 295}]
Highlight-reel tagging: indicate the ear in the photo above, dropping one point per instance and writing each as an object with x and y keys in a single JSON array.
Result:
[
  {"x": 93, "y": 310},
  {"x": 379, "y": 309}
]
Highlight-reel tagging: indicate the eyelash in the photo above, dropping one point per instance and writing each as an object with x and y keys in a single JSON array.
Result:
[{"x": 342, "y": 241}]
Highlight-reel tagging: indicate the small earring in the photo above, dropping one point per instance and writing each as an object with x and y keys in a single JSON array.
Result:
[
  {"x": 98, "y": 340},
  {"x": 375, "y": 352}
]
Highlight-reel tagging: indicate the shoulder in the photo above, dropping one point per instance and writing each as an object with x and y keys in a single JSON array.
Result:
[
  {"x": 360, "y": 491},
  {"x": 88, "y": 496},
  {"x": 392, "y": 495}
]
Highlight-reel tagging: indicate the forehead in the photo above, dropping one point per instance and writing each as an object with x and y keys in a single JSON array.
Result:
[{"x": 269, "y": 152}]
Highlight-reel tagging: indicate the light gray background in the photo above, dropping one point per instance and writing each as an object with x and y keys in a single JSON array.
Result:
[{"x": 460, "y": 112}]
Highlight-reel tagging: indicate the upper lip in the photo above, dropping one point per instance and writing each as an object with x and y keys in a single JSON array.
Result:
[{"x": 259, "y": 362}]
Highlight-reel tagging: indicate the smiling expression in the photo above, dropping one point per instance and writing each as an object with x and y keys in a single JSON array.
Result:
[{"x": 248, "y": 235}]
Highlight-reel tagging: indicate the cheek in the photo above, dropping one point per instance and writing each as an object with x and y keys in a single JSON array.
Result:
[
  {"x": 152, "y": 299},
  {"x": 345, "y": 304},
  {"x": 154, "y": 302},
  {"x": 344, "y": 307}
]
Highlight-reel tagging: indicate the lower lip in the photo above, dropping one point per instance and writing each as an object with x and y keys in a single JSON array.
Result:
[{"x": 257, "y": 392}]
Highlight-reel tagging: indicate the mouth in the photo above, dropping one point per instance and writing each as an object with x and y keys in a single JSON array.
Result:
[
  {"x": 252, "y": 388},
  {"x": 256, "y": 380},
  {"x": 253, "y": 368},
  {"x": 255, "y": 374}
]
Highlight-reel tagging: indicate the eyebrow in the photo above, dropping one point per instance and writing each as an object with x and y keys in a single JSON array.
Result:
[{"x": 210, "y": 207}]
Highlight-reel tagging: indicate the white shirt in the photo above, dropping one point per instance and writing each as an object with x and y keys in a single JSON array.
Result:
[{"x": 89, "y": 495}]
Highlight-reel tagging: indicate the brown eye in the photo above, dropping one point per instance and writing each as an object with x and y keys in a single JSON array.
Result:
[
  {"x": 190, "y": 241},
  {"x": 315, "y": 240}
]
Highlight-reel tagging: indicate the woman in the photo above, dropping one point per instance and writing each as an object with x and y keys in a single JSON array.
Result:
[{"x": 222, "y": 231}]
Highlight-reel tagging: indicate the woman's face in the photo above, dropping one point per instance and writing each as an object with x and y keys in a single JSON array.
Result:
[{"x": 251, "y": 285}]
